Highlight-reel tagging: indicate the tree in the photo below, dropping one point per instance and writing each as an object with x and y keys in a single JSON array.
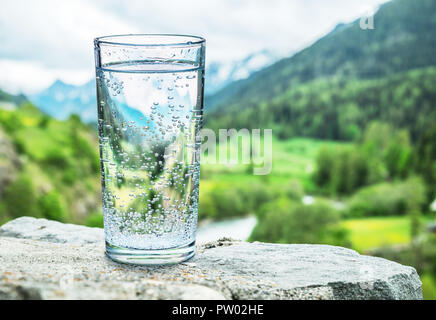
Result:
[
  {"x": 51, "y": 207},
  {"x": 285, "y": 221},
  {"x": 425, "y": 161},
  {"x": 20, "y": 199},
  {"x": 324, "y": 164}
]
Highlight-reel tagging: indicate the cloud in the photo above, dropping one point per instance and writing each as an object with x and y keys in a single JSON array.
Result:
[
  {"x": 30, "y": 77},
  {"x": 46, "y": 38},
  {"x": 234, "y": 29},
  {"x": 55, "y": 33}
]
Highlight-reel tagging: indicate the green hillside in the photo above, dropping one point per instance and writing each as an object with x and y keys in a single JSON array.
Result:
[
  {"x": 340, "y": 109},
  {"x": 347, "y": 78},
  {"x": 48, "y": 168}
]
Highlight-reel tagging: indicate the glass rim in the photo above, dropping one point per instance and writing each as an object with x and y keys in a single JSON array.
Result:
[{"x": 190, "y": 40}]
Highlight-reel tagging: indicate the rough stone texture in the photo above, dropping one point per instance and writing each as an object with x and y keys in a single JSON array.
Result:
[
  {"x": 42, "y": 259},
  {"x": 51, "y": 231}
]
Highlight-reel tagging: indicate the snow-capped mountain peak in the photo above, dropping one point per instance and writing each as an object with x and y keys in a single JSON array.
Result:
[
  {"x": 61, "y": 99},
  {"x": 220, "y": 74}
]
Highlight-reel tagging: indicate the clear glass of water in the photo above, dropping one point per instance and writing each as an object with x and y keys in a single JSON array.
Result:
[{"x": 150, "y": 108}]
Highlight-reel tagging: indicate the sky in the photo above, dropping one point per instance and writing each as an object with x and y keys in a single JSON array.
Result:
[{"x": 45, "y": 40}]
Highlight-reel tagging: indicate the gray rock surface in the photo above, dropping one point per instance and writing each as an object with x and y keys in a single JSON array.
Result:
[
  {"x": 42, "y": 259},
  {"x": 51, "y": 231}
]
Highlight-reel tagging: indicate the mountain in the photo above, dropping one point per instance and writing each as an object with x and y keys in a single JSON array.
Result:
[
  {"x": 220, "y": 74},
  {"x": 306, "y": 88},
  {"x": 10, "y": 101},
  {"x": 61, "y": 100}
]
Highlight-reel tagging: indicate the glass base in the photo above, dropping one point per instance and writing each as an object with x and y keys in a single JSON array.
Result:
[{"x": 150, "y": 257}]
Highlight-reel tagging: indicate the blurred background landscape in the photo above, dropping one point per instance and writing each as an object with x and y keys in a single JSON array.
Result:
[{"x": 353, "y": 114}]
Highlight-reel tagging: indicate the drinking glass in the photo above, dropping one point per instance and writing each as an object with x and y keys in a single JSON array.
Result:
[{"x": 150, "y": 108}]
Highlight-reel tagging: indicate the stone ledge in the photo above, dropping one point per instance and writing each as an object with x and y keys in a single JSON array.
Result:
[{"x": 42, "y": 259}]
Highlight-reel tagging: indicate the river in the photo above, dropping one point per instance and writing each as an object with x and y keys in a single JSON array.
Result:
[{"x": 238, "y": 228}]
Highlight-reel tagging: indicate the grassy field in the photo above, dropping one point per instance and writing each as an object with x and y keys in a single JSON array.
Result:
[
  {"x": 233, "y": 190},
  {"x": 368, "y": 233},
  {"x": 428, "y": 286},
  {"x": 292, "y": 159}
]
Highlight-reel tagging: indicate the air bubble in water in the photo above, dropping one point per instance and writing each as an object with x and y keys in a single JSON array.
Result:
[{"x": 150, "y": 199}]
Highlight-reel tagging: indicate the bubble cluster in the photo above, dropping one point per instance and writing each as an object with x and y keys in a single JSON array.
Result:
[{"x": 150, "y": 174}]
